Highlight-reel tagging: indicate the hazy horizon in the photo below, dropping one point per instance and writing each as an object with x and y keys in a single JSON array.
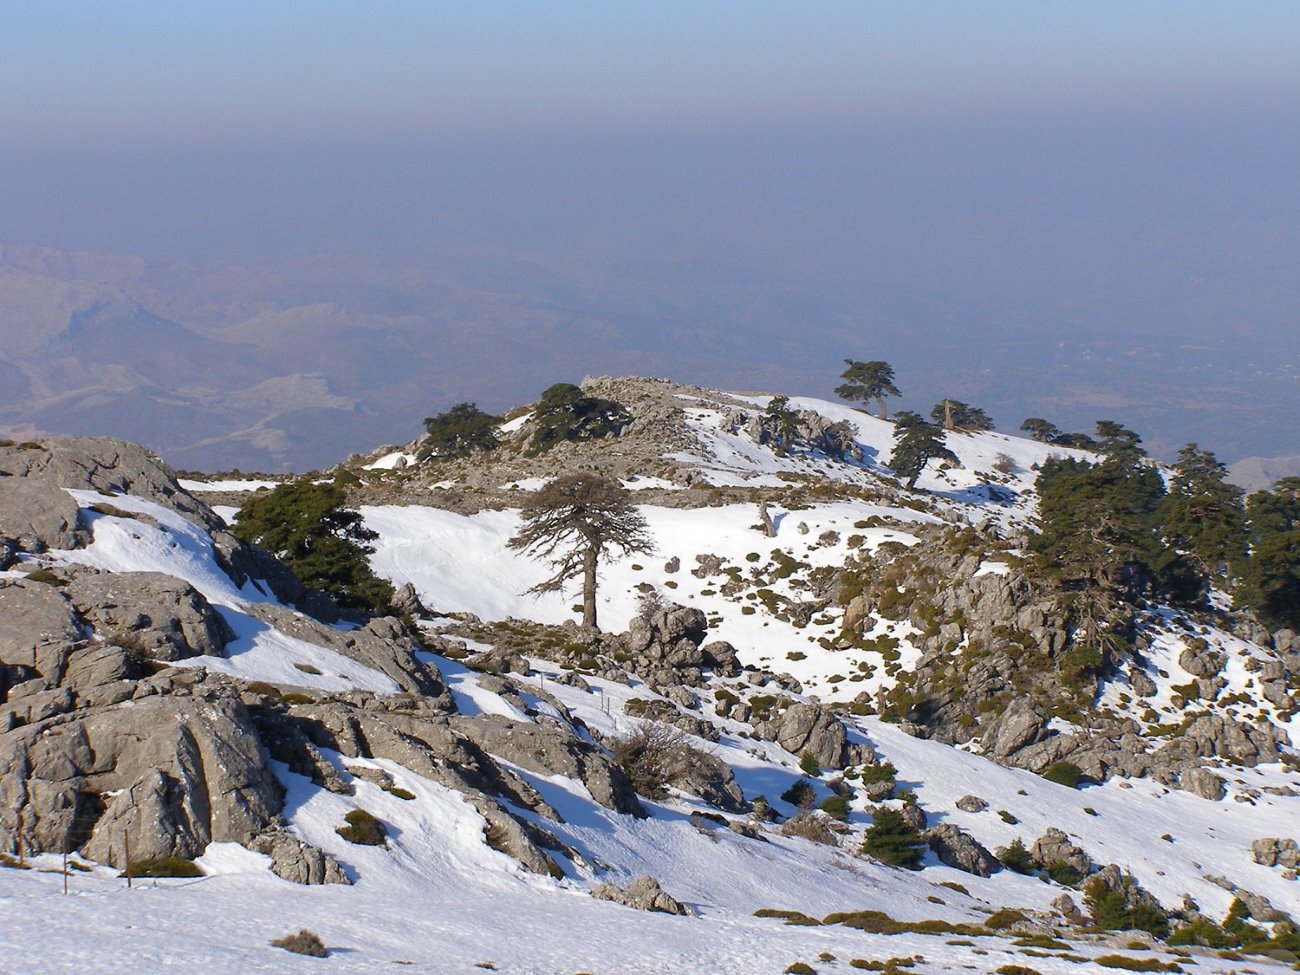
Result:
[{"x": 1070, "y": 210}]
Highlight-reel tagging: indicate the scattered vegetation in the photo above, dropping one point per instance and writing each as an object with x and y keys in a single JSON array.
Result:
[
  {"x": 891, "y": 839},
  {"x": 363, "y": 829},
  {"x": 303, "y": 943},
  {"x": 163, "y": 867}
]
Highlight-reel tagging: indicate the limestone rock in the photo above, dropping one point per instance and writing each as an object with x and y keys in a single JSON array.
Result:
[
  {"x": 971, "y": 804},
  {"x": 644, "y": 894},
  {"x": 406, "y": 601},
  {"x": 808, "y": 728},
  {"x": 1020, "y": 725},
  {"x": 1204, "y": 783},
  {"x": 961, "y": 851},
  {"x": 1272, "y": 851},
  {"x": 1054, "y": 846},
  {"x": 39, "y": 515},
  {"x": 157, "y": 614}
]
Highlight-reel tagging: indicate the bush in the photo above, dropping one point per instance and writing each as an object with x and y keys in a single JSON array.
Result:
[
  {"x": 1064, "y": 773},
  {"x": 1124, "y": 909},
  {"x": 885, "y": 772},
  {"x": 890, "y": 839},
  {"x": 1004, "y": 918},
  {"x": 811, "y": 826},
  {"x": 565, "y": 413},
  {"x": 163, "y": 867},
  {"x": 363, "y": 829},
  {"x": 460, "y": 431},
  {"x": 655, "y": 756},
  {"x": 808, "y": 764},
  {"x": 1136, "y": 964},
  {"x": 1064, "y": 874},
  {"x": 1016, "y": 857},
  {"x": 800, "y": 794},
  {"x": 837, "y": 807},
  {"x": 303, "y": 943}
]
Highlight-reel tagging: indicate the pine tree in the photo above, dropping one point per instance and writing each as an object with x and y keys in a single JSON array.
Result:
[
  {"x": 1203, "y": 515},
  {"x": 783, "y": 422},
  {"x": 566, "y": 413},
  {"x": 571, "y": 522},
  {"x": 916, "y": 443},
  {"x": 308, "y": 527},
  {"x": 868, "y": 381},
  {"x": 1270, "y": 578},
  {"x": 1040, "y": 429},
  {"x": 890, "y": 839},
  {"x": 460, "y": 431},
  {"x": 956, "y": 415}
]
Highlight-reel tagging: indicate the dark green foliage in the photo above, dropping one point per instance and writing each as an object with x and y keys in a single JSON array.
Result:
[
  {"x": 783, "y": 422},
  {"x": 891, "y": 840},
  {"x": 808, "y": 764},
  {"x": 1120, "y": 910},
  {"x": 1015, "y": 857},
  {"x": 1064, "y": 773},
  {"x": 303, "y": 943},
  {"x": 565, "y": 413},
  {"x": 868, "y": 381},
  {"x": 1270, "y": 578},
  {"x": 884, "y": 772},
  {"x": 800, "y": 794},
  {"x": 837, "y": 807},
  {"x": 953, "y": 414},
  {"x": 460, "y": 431},
  {"x": 1040, "y": 429},
  {"x": 1202, "y": 515},
  {"x": 163, "y": 867},
  {"x": 917, "y": 441},
  {"x": 1062, "y": 873},
  {"x": 363, "y": 829},
  {"x": 308, "y": 528}
]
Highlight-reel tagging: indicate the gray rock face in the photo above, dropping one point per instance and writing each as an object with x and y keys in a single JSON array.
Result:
[
  {"x": 296, "y": 861},
  {"x": 1204, "y": 783},
  {"x": 178, "y": 767},
  {"x": 961, "y": 851},
  {"x": 406, "y": 601},
  {"x": 39, "y": 515},
  {"x": 154, "y": 613},
  {"x": 1201, "y": 662},
  {"x": 1272, "y": 851},
  {"x": 971, "y": 804},
  {"x": 100, "y": 463},
  {"x": 1054, "y": 846},
  {"x": 808, "y": 728},
  {"x": 644, "y": 894},
  {"x": 37, "y": 625},
  {"x": 1021, "y": 725}
]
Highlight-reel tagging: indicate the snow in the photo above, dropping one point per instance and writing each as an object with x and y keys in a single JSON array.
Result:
[
  {"x": 511, "y": 426},
  {"x": 232, "y": 484},
  {"x": 391, "y": 461},
  {"x": 526, "y": 484}
]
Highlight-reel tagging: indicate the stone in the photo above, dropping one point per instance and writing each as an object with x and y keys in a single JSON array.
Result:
[
  {"x": 1272, "y": 851},
  {"x": 644, "y": 894},
  {"x": 406, "y": 601},
  {"x": 1201, "y": 662},
  {"x": 38, "y": 515},
  {"x": 1068, "y": 909},
  {"x": 808, "y": 728},
  {"x": 159, "y": 615},
  {"x": 1204, "y": 783},
  {"x": 1054, "y": 846},
  {"x": 961, "y": 851},
  {"x": 1020, "y": 725},
  {"x": 971, "y": 804}
]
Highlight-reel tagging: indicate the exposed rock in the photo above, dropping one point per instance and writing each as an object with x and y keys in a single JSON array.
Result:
[
  {"x": 1272, "y": 851},
  {"x": 1054, "y": 846},
  {"x": 8, "y": 552},
  {"x": 644, "y": 894},
  {"x": 1204, "y": 783},
  {"x": 39, "y": 515},
  {"x": 1201, "y": 662},
  {"x": 1143, "y": 686},
  {"x": 808, "y": 728},
  {"x": 296, "y": 861},
  {"x": 971, "y": 804},
  {"x": 157, "y": 614},
  {"x": 1068, "y": 909},
  {"x": 178, "y": 769},
  {"x": 38, "y": 627},
  {"x": 1020, "y": 725},
  {"x": 406, "y": 601},
  {"x": 961, "y": 851}
]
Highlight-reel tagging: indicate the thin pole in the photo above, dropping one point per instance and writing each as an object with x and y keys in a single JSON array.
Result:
[
  {"x": 126, "y": 839},
  {"x": 65, "y": 873},
  {"x": 22, "y": 857}
]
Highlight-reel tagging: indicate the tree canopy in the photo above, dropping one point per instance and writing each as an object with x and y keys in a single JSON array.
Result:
[
  {"x": 868, "y": 382},
  {"x": 1270, "y": 578},
  {"x": 956, "y": 415},
  {"x": 574, "y": 520},
  {"x": 917, "y": 441},
  {"x": 308, "y": 527},
  {"x": 565, "y": 412},
  {"x": 459, "y": 431}
]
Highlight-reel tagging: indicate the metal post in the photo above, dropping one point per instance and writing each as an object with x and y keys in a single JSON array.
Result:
[{"x": 126, "y": 839}]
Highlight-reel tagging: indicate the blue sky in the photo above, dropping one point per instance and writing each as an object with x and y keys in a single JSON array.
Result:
[{"x": 88, "y": 71}]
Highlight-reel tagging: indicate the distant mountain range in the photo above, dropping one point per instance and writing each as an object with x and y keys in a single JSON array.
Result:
[{"x": 293, "y": 363}]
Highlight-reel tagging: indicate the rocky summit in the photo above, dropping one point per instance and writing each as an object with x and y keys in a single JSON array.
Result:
[{"x": 814, "y": 712}]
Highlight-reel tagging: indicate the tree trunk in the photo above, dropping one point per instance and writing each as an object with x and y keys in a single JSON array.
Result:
[
  {"x": 947, "y": 415},
  {"x": 589, "y": 587},
  {"x": 884, "y": 412}
]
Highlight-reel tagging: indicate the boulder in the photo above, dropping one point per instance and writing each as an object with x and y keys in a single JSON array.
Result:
[
  {"x": 406, "y": 602},
  {"x": 1202, "y": 662},
  {"x": 39, "y": 515},
  {"x": 1020, "y": 725},
  {"x": 808, "y": 728},
  {"x": 1272, "y": 851},
  {"x": 1054, "y": 846},
  {"x": 644, "y": 894},
  {"x": 1204, "y": 783},
  {"x": 960, "y": 850},
  {"x": 971, "y": 804},
  {"x": 156, "y": 614}
]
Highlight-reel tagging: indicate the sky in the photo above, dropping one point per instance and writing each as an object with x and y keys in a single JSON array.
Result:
[{"x": 1074, "y": 170}]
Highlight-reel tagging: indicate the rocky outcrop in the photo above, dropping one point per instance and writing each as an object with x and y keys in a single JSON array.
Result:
[
  {"x": 971, "y": 804},
  {"x": 644, "y": 894},
  {"x": 296, "y": 861},
  {"x": 961, "y": 851},
  {"x": 1054, "y": 847},
  {"x": 39, "y": 515},
  {"x": 173, "y": 760},
  {"x": 159, "y": 615},
  {"x": 808, "y": 728},
  {"x": 668, "y": 648},
  {"x": 1272, "y": 851},
  {"x": 1020, "y": 725},
  {"x": 1204, "y": 783}
]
